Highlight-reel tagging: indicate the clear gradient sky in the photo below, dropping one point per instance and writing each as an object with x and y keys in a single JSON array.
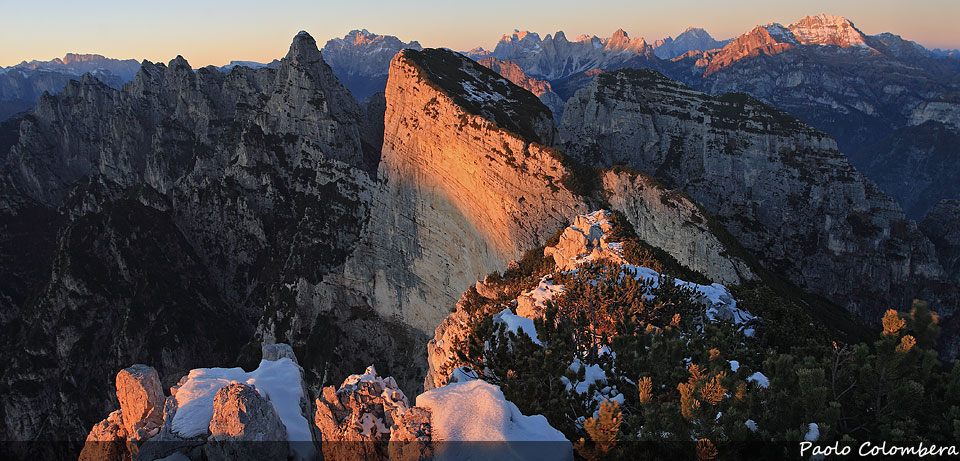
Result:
[{"x": 215, "y": 32}]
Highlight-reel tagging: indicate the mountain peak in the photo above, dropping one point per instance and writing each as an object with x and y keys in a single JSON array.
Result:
[
  {"x": 520, "y": 35},
  {"x": 178, "y": 61},
  {"x": 825, "y": 29},
  {"x": 303, "y": 49},
  {"x": 695, "y": 32},
  {"x": 824, "y": 19}
]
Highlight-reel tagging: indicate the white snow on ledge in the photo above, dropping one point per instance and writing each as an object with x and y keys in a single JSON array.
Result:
[
  {"x": 476, "y": 411},
  {"x": 277, "y": 381}
]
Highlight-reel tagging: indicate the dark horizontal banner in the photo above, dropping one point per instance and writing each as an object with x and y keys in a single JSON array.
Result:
[{"x": 499, "y": 451}]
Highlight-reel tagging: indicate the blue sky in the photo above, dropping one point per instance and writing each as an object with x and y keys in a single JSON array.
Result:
[{"x": 214, "y": 32}]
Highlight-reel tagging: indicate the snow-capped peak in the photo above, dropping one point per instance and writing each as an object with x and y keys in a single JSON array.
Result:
[{"x": 827, "y": 29}]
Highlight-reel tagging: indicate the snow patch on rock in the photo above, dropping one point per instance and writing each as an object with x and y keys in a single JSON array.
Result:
[
  {"x": 515, "y": 324},
  {"x": 279, "y": 382},
  {"x": 477, "y": 411}
]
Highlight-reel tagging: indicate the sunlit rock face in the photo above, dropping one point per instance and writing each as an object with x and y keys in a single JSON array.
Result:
[
  {"x": 671, "y": 221},
  {"x": 780, "y": 187},
  {"x": 467, "y": 184}
]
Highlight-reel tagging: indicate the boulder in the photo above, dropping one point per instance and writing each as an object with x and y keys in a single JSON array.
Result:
[
  {"x": 241, "y": 414},
  {"x": 141, "y": 398}
]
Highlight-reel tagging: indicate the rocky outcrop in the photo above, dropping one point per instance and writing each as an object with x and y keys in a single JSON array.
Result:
[
  {"x": 214, "y": 413},
  {"x": 139, "y": 418},
  {"x": 539, "y": 88},
  {"x": 107, "y": 440},
  {"x": 373, "y": 416},
  {"x": 672, "y": 221},
  {"x": 585, "y": 240},
  {"x": 780, "y": 187},
  {"x": 141, "y": 398}
]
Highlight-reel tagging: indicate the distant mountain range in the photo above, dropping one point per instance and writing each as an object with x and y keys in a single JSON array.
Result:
[
  {"x": 870, "y": 92},
  {"x": 360, "y": 60},
  {"x": 23, "y": 84}
]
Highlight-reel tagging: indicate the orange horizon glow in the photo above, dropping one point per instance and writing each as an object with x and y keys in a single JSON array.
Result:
[{"x": 216, "y": 32}]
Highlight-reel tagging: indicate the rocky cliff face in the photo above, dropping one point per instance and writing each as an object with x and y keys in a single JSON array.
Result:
[
  {"x": 467, "y": 184},
  {"x": 185, "y": 206},
  {"x": 671, "y": 221},
  {"x": 779, "y": 186},
  {"x": 942, "y": 225},
  {"x": 917, "y": 165}
]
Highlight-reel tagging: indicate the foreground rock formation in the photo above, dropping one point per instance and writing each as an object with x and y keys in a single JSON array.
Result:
[
  {"x": 216, "y": 414},
  {"x": 372, "y": 415}
]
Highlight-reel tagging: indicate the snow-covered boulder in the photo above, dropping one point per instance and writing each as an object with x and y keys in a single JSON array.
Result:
[
  {"x": 476, "y": 411},
  {"x": 207, "y": 412}
]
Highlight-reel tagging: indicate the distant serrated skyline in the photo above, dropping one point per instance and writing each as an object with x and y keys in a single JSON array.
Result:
[{"x": 216, "y": 32}]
